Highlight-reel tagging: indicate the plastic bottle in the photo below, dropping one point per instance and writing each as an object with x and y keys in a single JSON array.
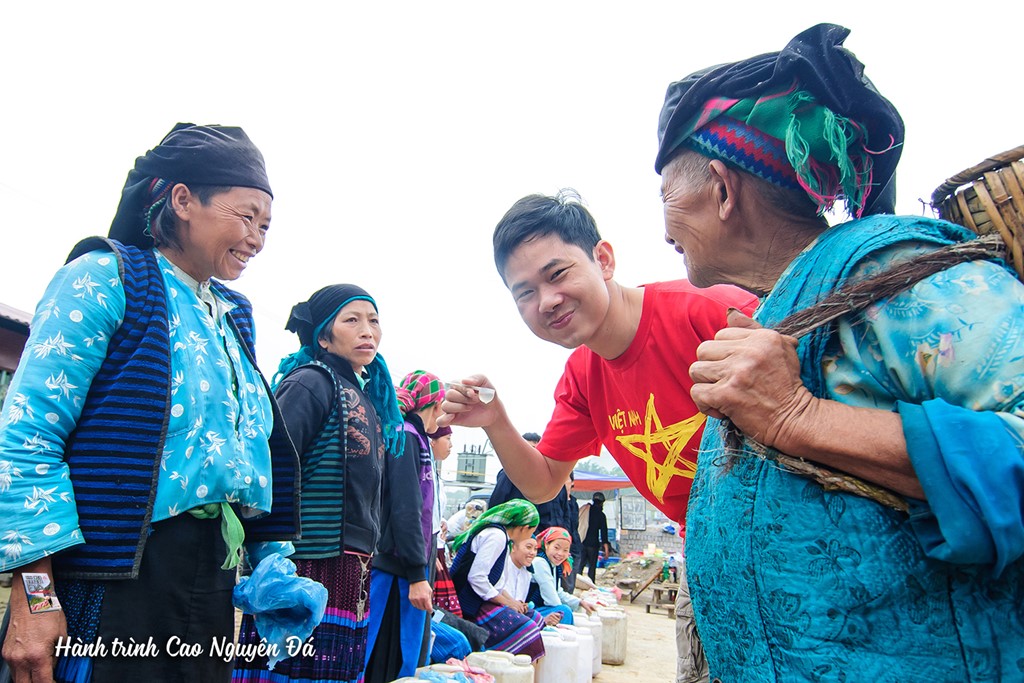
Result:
[
  {"x": 585, "y": 659},
  {"x": 519, "y": 670},
  {"x": 558, "y": 665},
  {"x": 613, "y": 643},
  {"x": 505, "y": 667},
  {"x": 593, "y": 622},
  {"x": 488, "y": 658}
]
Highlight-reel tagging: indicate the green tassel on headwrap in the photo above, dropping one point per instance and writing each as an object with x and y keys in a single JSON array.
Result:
[
  {"x": 789, "y": 139},
  {"x": 830, "y": 159},
  {"x": 381, "y": 392},
  {"x": 308, "y": 319}
]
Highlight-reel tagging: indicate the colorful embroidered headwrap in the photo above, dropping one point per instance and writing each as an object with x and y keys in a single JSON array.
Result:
[
  {"x": 308, "y": 319},
  {"x": 552, "y": 534},
  {"x": 516, "y": 512},
  {"x": 190, "y": 154},
  {"x": 419, "y": 389},
  {"x": 803, "y": 117}
]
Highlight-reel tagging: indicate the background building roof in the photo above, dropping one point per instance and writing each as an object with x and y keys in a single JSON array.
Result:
[{"x": 14, "y": 319}]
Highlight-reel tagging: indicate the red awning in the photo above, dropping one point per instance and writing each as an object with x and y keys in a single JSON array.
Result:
[{"x": 594, "y": 481}]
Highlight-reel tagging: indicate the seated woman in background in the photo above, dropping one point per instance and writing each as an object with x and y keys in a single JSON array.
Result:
[
  {"x": 445, "y": 596},
  {"x": 481, "y": 554},
  {"x": 518, "y": 579},
  {"x": 515, "y": 582},
  {"x": 550, "y": 565}
]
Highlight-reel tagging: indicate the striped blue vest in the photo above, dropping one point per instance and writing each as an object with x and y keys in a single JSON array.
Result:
[
  {"x": 323, "y": 482},
  {"x": 113, "y": 454}
]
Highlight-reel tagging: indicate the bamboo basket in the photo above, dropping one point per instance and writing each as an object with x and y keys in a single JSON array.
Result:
[{"x": 989, "y": 198}]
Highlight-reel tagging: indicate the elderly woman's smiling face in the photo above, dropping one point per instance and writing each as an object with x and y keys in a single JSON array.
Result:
[{"x": 219, "y": 237}]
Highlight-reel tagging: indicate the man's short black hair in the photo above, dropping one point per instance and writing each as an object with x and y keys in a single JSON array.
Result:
[
  {"x": 532, "y": 437},
  {"x": 538, "y": 215}
]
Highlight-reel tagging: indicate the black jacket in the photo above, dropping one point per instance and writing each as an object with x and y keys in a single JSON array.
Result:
[
  {"x": 403, "y": 550},
  {"x": 597, "y": 531},
  {"x": 306, "y": 396}
]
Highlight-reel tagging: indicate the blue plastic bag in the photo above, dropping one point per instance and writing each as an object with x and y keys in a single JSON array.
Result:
[{"x": 285, "y": 606}]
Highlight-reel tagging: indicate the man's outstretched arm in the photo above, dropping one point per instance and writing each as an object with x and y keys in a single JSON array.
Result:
[{"x": 538, "y": 477}]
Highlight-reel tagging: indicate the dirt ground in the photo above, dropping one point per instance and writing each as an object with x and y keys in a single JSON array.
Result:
[{"x": 650, "y": 645}]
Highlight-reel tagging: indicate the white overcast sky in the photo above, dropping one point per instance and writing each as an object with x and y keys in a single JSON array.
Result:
[{"x": 396, "y": 134}]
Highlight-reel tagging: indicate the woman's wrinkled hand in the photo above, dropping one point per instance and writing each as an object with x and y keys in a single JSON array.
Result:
[
  {"x": 30, "y": 646},
  {"x": 751, "y": 375}
]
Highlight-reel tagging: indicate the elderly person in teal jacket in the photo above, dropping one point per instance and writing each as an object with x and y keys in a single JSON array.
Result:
[{"x": 920, "y": 393}]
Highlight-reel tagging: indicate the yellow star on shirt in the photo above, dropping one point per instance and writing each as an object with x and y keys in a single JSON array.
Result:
[{"x": 673, "y": 438}]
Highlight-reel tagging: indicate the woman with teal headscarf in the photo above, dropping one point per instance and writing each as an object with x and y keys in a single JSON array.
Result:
[
  {"x": 339, "y": 404},
  {"x": 481, "y": 553}
]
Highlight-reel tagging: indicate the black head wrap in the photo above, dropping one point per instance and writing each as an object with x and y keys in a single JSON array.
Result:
[
  {"x": 818, "y": 62},
  {"x": 307, "y": 319},
  {"x": 190, "y": 154}
]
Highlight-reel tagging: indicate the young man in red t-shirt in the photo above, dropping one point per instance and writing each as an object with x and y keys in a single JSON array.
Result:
[{"x": 627, "y": 384}]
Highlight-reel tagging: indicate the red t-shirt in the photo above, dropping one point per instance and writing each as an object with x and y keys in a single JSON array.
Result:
[{"x": 638, "y": 405}]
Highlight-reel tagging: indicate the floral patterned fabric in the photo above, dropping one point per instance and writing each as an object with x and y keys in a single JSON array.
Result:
[
  {"x": 216, "y": 448},
  {"x": 791, "y": 582}
]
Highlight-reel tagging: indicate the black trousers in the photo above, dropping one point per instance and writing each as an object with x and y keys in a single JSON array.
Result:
[
  {"x": 589, "y": 559},
  {"x": 182, "y": 599}
]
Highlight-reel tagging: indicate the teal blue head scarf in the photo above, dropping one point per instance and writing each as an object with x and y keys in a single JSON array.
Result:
[{"x": 308, "y": 319}]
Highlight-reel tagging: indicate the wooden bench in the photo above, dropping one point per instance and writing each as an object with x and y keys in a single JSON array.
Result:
[{"x": 664, "y": 598}]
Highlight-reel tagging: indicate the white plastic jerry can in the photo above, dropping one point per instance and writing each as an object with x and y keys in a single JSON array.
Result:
[{"x": 559, "y": 664}]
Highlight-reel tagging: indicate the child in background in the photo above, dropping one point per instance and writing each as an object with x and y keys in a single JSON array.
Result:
[{"x": 550, "y": 565}]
